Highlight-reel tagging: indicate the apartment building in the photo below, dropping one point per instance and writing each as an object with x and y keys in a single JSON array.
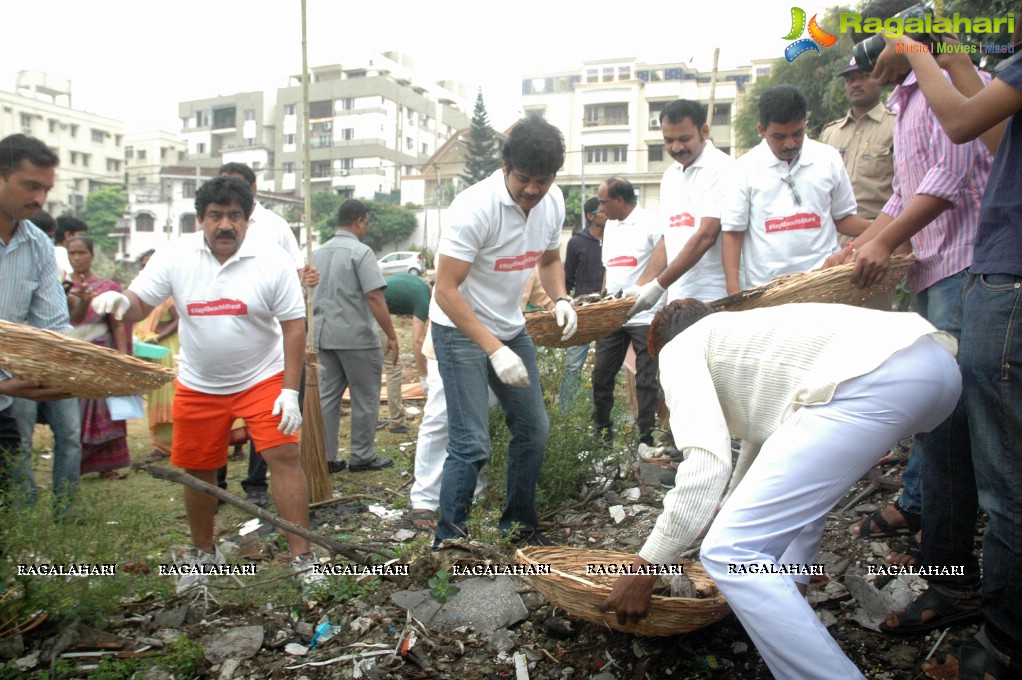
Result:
[
  {"x": 372, "y": 122},
  {"x": 609, "y": 112},
  {"x": 90, "y": 146}
]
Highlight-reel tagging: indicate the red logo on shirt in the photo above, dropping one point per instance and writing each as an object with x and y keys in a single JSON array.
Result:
[
  {"x": 518, "y": 262},
  {"x": 793, "y": 222},
  {"x": 221, "y": 307},
  {"x": 623, "y": 261},
  {"x": 682, "y": 220}
]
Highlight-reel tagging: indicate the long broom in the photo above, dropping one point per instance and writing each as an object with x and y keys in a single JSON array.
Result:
[{"x": 313, "y": 447}]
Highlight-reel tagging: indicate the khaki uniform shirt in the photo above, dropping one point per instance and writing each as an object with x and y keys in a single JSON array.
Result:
[{"x": 867, "y": 148}]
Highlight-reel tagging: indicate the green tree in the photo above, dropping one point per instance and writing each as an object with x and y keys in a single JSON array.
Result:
[
  {"x": 482, "y": 145},
  {"x": 324, "y": 213},
  {"x": 572, "y": 208},
  {"x": 817, "y": 75},
  {"x": 388, "y": 223},
  {"x": 103, "y": 208}
]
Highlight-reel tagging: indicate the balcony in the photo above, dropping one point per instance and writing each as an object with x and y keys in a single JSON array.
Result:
[{"x": 604, "y": 121}]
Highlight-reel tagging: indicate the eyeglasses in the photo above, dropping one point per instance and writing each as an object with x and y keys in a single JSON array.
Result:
[{"x": 790, "y": 181}]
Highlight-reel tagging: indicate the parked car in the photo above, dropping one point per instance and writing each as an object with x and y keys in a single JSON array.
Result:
[{"x": 401, "y": 262}]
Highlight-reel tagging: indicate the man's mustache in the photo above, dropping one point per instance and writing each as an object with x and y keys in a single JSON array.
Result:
[{"x": 226, "y": 234}]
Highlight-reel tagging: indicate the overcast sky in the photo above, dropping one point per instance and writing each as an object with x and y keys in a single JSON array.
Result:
[{"x": 135, "y": 60}]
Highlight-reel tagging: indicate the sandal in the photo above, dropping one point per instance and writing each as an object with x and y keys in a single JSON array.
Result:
[
  {"x": 911, "y": 547},
  {"x": 423, "y": 520},
  {"x": 912, "y": 524},
  {"x": 947, "y": 610},
  {"x": 970, "y": 662}
]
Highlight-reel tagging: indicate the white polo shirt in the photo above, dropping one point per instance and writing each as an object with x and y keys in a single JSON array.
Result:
[
  {"x": 229, "y": 329},
  {"x": 627, "y": 248},
  {"x": 783, "y": 236},
  {"x": 687, "y": 195},
  {"x": 486, "y": 228},
  {"x": 266, "y": 224}
]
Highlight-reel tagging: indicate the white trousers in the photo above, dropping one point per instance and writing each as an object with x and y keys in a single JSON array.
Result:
[
  {"x": 778, "y": 512},
  {"x": 431, "y": 447}
]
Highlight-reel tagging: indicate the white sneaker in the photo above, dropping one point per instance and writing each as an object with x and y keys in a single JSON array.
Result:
[
  {"x": 195, "y": 562},
  {"x": 647, "y": 451},
  {"x": 302, "y": 569}
]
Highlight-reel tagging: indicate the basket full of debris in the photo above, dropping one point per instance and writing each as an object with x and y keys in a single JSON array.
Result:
[
  {"x": 578, "y": 581},
  {"x": 598, "y": 317}
]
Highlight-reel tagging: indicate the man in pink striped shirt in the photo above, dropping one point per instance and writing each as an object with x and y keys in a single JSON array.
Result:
[{"x": 937, "y": 188}]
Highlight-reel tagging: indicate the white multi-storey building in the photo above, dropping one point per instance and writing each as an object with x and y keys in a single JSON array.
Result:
[
  {"x": 609, "y": 112},
  {"x": 90, "y": 146},
  {"x": 372, "y": 123}
]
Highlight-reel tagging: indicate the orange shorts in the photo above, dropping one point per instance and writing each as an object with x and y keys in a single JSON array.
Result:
[{"x": 202, "y": 423}]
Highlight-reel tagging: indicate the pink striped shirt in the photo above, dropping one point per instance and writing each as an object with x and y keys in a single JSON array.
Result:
[{"x": 927, "y": 162}]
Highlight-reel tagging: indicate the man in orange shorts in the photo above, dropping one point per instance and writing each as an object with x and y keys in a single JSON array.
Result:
[{"x": 237, "y": 361}]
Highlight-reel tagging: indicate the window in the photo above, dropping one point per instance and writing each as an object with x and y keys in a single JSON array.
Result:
[
  {"x": 249, "y": 114},
  {"x": 322, "y": 141},
  {"x": 200, "y": 147},
  {"x": 606, "y": 154},
  {"x": 721, "y": 114},
  {"x": 409, "y": 143},
  {"x": 288, "y": 168},
  {"x": 26, "y": 121},
  {"x": 113, "y": 165},
  {"x": 74, "y": 130},
  {"x": 321, "y": 109},
  {"x": 608, "y": 74},
  {"x": 188, "y": 188},
  {"x": 85, "y": 159},
  {"x": 141, "y": 154},
  {"x": 615, "y": 114},
  {"x": 592, "y": 75},
  {"x": 187, "y": 223},
  {"x": 289, "y": 139},
  {"x": 347, "y": 104},
  {"x": 145, "y": 222},
  {"x": 289, "y": 109},
  {"x": 74, "y": 158},
  {"x": 129, "y": 152},
  {"x": 321, "y": 169},
  {"x": 224, "y": 118},
  {"x": 425, "y": 149},
  {"x": 201, "y": 119},
  {"x": 345, "y": 163},
  {"x": 163, "y": 152},
  {"x": 348, "y": 134},
  {"x": 624, "y": 72},
  {"x": 53, "y": 126},
  {"x": 656, "y": 153},
  {"x": 249, "y": 141}
]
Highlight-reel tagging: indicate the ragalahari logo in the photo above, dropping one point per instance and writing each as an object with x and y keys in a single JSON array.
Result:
[{"x": 817, "y": 36}]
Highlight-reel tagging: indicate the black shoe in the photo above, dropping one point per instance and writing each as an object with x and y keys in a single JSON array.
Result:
[
  {"x": 336, "y": 466},
  {"x": 535, "y": 538},
  {"x": 398, "y": 429},
  {"x": 257, "y": 498},
  {"x": 667, "y": 479},
  {"x": 376, "y": 464}
]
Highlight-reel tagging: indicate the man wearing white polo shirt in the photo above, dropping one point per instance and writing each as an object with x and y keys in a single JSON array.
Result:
[
  {"x": 693, "y": 191},
  {"x": 242, "y": 334},
  {"x": 792, "y": 197},
  {"x": 499, "y": 230},
  {"x": 629, "y": 238}
]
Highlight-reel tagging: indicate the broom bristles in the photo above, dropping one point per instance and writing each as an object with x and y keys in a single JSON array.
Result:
[{"x": 313, "y": 446}]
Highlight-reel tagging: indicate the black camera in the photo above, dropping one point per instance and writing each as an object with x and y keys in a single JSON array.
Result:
[{"x": 868, "y": 51}]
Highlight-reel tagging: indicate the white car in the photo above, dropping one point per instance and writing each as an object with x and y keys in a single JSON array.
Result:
[{"x": 402, "y": 262}]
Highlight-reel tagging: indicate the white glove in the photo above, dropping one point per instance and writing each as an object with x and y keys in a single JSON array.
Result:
[
  {"x": 649, "y": 294},
  {"x": 424, "y": 385},
  {"x": 564, "y": 314},
  {"x": 509, "y": 367},
  {"x": 111, "y": 302},
  {"x": 286, "y": 407}
]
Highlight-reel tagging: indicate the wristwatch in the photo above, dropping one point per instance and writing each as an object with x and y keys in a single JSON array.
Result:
[{"x": 563, "y": 297}]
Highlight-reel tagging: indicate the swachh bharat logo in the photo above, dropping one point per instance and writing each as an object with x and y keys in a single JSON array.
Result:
[{"x": 817, "y": 36}]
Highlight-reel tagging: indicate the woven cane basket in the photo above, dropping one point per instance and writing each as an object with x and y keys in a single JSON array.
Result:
[
  {"x": 80, "y": 368},
  {"x": 595, "y": 320},
  {"x": 822, "y": 285},
  {"x": 567, "y": 586}
]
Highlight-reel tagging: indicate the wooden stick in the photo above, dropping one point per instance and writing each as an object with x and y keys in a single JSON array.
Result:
[{"x": 352, "y": 552}]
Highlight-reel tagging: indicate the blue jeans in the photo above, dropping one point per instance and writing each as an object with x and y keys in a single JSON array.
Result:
[
  {"x": 65, "y": 419},
  {"x": 466, "y": 373},
  {"x": 574, "y": 360},
  {"x": 960, "y": 479},
  {"x": 933, "y": 304}
]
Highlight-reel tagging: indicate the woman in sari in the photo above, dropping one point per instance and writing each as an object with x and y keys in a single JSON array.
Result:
[
  {"x": 160, "y": 327},
  {"x": 104, "y": 440}
]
